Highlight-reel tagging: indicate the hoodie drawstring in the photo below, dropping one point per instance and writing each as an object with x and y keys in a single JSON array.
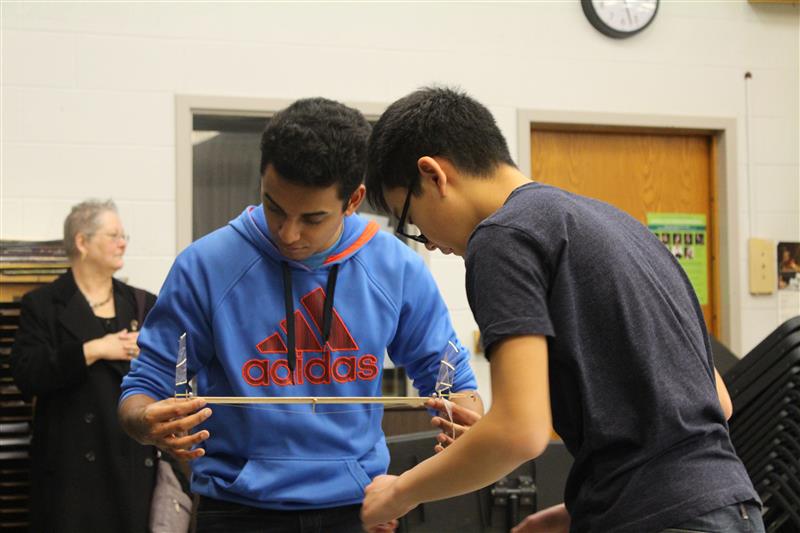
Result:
[
  {"x": 288, "y": 301},
  {"x": 327, "y": 313}
]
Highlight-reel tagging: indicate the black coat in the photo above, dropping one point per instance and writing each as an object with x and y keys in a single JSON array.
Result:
[{"x": 87, "y": 474}]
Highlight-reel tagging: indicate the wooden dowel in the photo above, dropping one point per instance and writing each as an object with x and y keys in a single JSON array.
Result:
[{"x": 314, "y": 400}]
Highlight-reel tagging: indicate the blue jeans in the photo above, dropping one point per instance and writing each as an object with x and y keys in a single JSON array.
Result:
[
  {"x": 737, "y": 518},
  {"x": 216, "y": 516}
]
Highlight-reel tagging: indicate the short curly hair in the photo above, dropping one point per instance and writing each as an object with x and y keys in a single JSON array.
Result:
[
  {"x": 432, "y": 121},
  {"x": 316, "y": 142}
]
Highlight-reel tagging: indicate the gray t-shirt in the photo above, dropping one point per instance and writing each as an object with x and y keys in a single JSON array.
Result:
[{"x": 632, "y": 387}]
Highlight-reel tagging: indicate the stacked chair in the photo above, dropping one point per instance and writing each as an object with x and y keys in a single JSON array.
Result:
[{"x": 765, "y": 427}]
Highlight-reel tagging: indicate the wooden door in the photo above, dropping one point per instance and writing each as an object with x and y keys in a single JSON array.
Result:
[{"x": 640, "y": 173}]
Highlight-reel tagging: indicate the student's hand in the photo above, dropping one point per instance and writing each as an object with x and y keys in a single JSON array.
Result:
[
  {"x": 382, "y": 504},
  {"x": 166, "y": 424},
  {"x": 388, "y": 527},
  {"x": 551, "y": 520},
  {"x": 463, "y": 419},
  {"x": 119, "y": 346}
]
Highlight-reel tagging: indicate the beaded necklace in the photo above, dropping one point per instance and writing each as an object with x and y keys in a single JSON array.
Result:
[{"x": 100, "y": 304}]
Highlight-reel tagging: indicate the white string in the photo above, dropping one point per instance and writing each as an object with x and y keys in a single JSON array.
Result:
[
  {"x": 449, "y": 408},
  {"x": 314, "y": 409},
  {"x": 441, "y": 389}
]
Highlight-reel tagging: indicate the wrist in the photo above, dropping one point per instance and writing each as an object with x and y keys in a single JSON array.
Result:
[
  {"x": 90, "y": 352},
  {"x": 403, "y": 493},
  {"x": 139, "y": 424},
  {"x": 132, "y": 419}
]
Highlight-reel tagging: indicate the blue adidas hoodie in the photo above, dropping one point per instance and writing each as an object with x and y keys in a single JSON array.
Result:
[{"x": 227, "y": 291}]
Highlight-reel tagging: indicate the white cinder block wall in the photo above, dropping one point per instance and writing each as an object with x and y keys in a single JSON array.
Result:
[{"x": 88, "y": 94}]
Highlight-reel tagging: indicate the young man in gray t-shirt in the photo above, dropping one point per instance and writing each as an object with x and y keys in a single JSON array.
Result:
[{"x": 587, "y": 320}]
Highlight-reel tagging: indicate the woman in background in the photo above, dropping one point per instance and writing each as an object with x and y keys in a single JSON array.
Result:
[{"x": 75, "y": 342}]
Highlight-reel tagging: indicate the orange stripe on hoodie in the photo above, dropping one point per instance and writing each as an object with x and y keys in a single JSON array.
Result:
[{"x": 369, "y": 232}]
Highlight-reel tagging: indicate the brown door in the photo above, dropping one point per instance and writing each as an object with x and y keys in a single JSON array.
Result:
[{"x": 638, "y": 172}]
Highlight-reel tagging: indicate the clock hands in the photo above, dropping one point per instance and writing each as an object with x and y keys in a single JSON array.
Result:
[{"x": 628, "y": 11}]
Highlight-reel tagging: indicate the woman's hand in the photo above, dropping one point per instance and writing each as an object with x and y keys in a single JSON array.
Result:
[{"x": 120, "y": 346}]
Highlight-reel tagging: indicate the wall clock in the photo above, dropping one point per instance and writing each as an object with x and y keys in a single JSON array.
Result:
[{"x": 620, "y": 18}]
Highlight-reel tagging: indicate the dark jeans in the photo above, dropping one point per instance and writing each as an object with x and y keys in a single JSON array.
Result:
[
  {"x": 216, "y": 516},
  {"x": 736, "y": 518}
]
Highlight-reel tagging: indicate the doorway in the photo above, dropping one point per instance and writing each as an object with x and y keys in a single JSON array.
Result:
[{"x": 642, "y": 171}]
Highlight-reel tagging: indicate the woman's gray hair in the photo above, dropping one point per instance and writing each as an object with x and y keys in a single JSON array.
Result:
[{"x": 84, "y": 218}]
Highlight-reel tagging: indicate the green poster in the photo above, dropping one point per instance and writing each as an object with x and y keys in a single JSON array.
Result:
[{"x": 685, "y": 236}]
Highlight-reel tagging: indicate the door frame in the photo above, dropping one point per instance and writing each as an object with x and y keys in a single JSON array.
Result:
[
  {"x": 186, "y": 106},
  {"x": 723, "y": 132}
]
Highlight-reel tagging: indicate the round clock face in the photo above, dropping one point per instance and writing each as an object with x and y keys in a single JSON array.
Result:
[{"x": 620, "y": 18}]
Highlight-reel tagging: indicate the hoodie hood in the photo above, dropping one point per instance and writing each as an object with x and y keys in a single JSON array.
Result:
[
  {"x": 357, "y": 232},
  {"x": 252, "y": 225}
]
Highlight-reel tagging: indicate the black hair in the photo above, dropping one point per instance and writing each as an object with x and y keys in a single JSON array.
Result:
[
  {"x": 316, "y": 142},
  {"x": 432, "y": 121}
]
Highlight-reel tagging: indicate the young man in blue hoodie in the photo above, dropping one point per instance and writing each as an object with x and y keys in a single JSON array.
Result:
[
  {"x": 588, "y": 321},
  {"x": 299, "y": 298}
]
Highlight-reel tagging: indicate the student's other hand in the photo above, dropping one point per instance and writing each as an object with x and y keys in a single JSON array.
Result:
[
  {"x": 463, "y": 419},
  {"x": 166, "y": 424},
  {"x": 554, "y": 519},
  {"x": 382, "y": 504}
]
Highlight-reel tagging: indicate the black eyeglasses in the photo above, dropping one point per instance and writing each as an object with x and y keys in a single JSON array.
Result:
[{"x": 401, "y": 223}]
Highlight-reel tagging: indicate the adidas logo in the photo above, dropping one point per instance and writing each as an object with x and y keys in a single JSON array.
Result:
[
  {"x": 305, "y": 339},
  {"x": 316, "y": 371}
]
